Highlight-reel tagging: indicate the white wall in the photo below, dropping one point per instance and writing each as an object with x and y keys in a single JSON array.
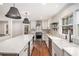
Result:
[
  {"x": 17, "y": 28},
  {"x": 1, "y": 28}
]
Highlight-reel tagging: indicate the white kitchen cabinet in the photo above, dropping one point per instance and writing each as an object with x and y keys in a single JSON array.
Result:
[
  {"x": 15, "y": 46},
  {"x": 77, "y": 16},
  {"x": 76, "y": 27},
  {"x": 63, "y": 47},
  {"x": 70, "y": 20},
  {"x": 65, "y": 53},
  {"x": 33, "y": 25},
  {"x": 77, "y": 21},
  {"x": 44, "y": 24},
  {"x": 57, "y": 50},
  {"x": 67, "y": 22}
]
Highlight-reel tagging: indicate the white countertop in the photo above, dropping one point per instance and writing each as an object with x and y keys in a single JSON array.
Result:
[
  {"x": 4, "y": 38},
  {"x": 64, "y": 44},
  {"x": 15, "y": 45},
  {"x": 74, "y": 51}
]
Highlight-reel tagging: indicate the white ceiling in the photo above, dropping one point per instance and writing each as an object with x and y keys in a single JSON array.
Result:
[{"x": 36, "y": 11}]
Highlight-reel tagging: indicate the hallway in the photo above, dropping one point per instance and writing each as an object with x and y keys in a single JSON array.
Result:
[{"x": 40, "y": 49}]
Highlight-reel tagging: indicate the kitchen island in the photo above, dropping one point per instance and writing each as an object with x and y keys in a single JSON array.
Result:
[
  {"x": 15, "y": 46},
  {"x": 3, "y": 38}
]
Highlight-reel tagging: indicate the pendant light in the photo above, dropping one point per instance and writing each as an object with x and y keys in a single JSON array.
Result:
[
  {"x": 26, "y": 20},
  {"x": 13, "y": 13}
]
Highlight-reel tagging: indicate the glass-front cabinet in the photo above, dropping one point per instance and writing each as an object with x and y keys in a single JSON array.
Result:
[
  {"x": 67, "y": 23},
  {"x": 70, "y": 20}
]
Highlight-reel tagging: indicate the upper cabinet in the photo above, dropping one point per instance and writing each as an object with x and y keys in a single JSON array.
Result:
[
  {"x": 67, "y": 23},
  {"x": 70, "y": 19},
  {"x": 54, "y": 26}
]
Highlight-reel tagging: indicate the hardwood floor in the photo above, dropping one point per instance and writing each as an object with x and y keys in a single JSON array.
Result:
[{"x": 40, "y": 49}]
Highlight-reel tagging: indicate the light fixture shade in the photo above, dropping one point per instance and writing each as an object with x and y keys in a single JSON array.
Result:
[
  {"x": 13, "y": 13},
  {"x": 26, "y": 21}
]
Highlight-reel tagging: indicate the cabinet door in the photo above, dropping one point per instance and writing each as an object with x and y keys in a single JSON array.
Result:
[
  {"x": 44, "y": 24},
  {"x": 66, "y": 54},
  {"x": 33, "y": 25},
  {"x": 70, "y": 19},
  {"x": 57, "y": 50},
  {"x": 65, "y": 21}
]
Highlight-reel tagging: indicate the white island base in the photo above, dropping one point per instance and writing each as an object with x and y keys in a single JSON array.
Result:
[{"x": 15, "y": 46}]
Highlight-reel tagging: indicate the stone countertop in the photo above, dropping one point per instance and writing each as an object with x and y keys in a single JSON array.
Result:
[
  {"x": 73, "y": 51},
  {"x": 15, "y": 45},
  {"x": 2, "y": 38},
  {"x": 64, "y": 44}
]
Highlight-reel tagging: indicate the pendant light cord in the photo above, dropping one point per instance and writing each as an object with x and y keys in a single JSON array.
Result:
[{"x": 13, "y": 4}]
